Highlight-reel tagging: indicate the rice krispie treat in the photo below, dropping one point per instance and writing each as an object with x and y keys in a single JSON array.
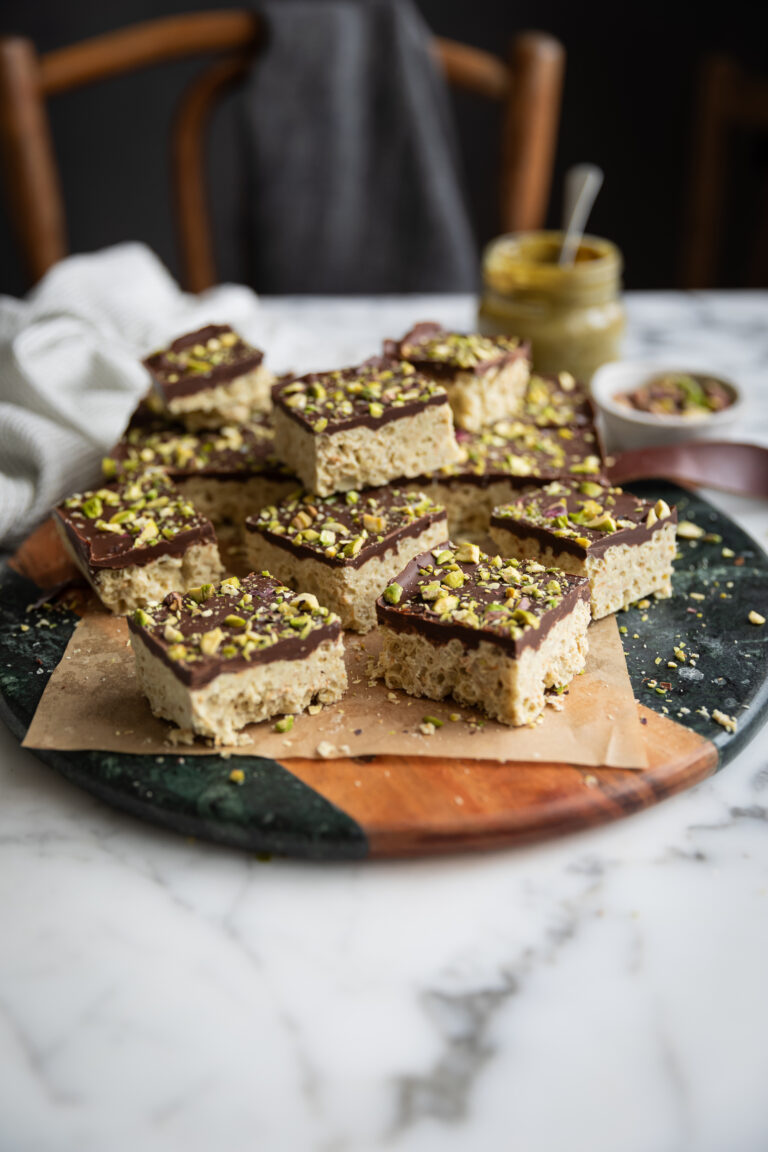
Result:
[
  {"x": 231, "y": 654},
  {"x": 345, "y": 548},
  {"x": 491, "y": 632},
  {"x": 210, "y": 377},
  {"x": 362, "y": 427},
  {"x": 498, "y": 462},
  {"x": 226, "y": 472},
  {"x": 625, "y": 546},
  {"x": 485, "y": 376},
  {"x": 138, "y": 539}
]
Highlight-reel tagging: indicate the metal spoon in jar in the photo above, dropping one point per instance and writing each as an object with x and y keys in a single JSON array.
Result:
[{"x": 582, "y": 184}]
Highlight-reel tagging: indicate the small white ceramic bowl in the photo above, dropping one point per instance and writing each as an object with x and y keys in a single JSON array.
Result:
[{"x": 626, "y": 427}]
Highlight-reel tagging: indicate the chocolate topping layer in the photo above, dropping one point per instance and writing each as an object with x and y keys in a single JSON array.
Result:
[
  {"x": 132, "y": 522},
  {"x": 511, "y": 448},
  {"x": 233, "y": 451},
  {"x": 368, "y": 396},
  {"x": 347, "y": 529},
  {"x": 457, "y": 592},
  {"x": 429, "y": 347},
  {"x": 203, "y": 359},
  {"x": 232, "y": 626},
  {"x": 580, "y": 517}
]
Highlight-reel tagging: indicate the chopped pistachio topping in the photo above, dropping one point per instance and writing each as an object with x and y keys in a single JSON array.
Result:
[
  {"x": 243, "y": 449},
  {"x": 459, "y": 350},
  {"x": 191, "y": 629},
  {"x": 555, "y": 401},
  {"x": 506, "y": 599},
  {"x": 584, "y": 512},
  {"x": 145, "y": 509},
  {"x": 372, "y": 391},
  {"x": 393, "y": 593},
  {"x": 517, "y": 448},
  {"x": 217, "y": 347},
  {"x": 339, "y": 529}
]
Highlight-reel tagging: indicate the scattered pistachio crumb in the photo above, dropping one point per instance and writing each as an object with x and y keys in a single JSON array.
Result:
[
  {"x": 687, "y": 530},
  {"x": 756, "y": 618},
  {"x": 435, "y": 721},
  {"x": 284, "y": 724},
  {"x": 727, "y": 553},
  {"x": 237, "y": 776},
  {"x": 724, "y": 720}
]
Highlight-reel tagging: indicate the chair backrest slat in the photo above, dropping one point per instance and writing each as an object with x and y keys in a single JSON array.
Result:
[
  {"x": 143, "y": 45},
  {"x": 529, "y": 85}
]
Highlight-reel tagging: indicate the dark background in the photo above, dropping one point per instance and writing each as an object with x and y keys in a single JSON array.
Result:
[{"x": 629, "y": 106}]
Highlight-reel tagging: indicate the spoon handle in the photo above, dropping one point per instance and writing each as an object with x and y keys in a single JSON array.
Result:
[{"x": 582, "y": 184}]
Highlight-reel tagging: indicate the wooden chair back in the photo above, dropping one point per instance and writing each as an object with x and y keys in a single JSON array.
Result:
[
  {"x": 529, "y": 84},
  {"x": 729, "y": 100}
]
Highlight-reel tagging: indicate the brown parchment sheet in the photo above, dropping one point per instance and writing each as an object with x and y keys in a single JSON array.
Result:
[{"x": 93, "y": 701}]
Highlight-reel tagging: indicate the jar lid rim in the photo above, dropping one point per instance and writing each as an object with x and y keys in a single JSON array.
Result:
[{"x": 512, "y": 246}]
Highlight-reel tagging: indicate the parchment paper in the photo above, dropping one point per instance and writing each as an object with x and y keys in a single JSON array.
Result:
[{"x": 93, "y": 701}]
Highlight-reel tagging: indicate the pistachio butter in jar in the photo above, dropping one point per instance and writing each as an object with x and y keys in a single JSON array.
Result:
[{"x": 572, "y": 314}]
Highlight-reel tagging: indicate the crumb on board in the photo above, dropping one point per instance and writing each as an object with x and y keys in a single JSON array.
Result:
[
  {"x": 237, "y": 776},
  {"x": 325, "y": 750},
  {"x": 756, "y": 618},
  {"x": 724, "y": 720},
  {"x": 180, "y": 736},
  {"x": 687, "y": 530}
]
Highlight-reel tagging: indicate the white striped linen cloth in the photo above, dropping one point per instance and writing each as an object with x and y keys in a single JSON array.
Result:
[{"x": 70, "y": 372}]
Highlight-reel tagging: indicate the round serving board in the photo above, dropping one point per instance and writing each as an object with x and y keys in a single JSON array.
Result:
[{"x": 399, "y": 806}]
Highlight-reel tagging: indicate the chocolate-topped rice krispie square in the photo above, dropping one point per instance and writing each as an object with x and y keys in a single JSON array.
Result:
[
  {"x": 362, "y": 427},
  {"x": 345, "y": 548},
  {"x": 231, "y": 654},
  {"x": 623, "y": 544},
  {"x": 492, "y": 632},
  {"x": 210, "y": 377},
  {"x": 137, "y": 539},
  {"x": 485, "y": 376}
]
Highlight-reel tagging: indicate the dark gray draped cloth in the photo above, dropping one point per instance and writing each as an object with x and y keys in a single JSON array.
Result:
[{"x": 350, "y": 152}]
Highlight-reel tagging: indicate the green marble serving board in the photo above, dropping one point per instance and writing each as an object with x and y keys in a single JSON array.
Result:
[{"x": 383, "y": 806}]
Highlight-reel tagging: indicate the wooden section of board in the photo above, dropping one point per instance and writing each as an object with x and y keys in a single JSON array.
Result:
[{"x": 411, "y": 806}]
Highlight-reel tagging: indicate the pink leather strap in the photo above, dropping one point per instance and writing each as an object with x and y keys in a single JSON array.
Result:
[{"x": 720, "y": 464}]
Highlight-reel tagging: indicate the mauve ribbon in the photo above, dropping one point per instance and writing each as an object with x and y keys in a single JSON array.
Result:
[{"x": 720, "y": 464}]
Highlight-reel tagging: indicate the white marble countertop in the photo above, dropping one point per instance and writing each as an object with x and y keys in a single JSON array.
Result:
[{"x": 601, "y": 993}]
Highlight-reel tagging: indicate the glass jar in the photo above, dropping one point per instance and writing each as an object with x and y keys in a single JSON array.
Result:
[{"x": 572, "y": 314}]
